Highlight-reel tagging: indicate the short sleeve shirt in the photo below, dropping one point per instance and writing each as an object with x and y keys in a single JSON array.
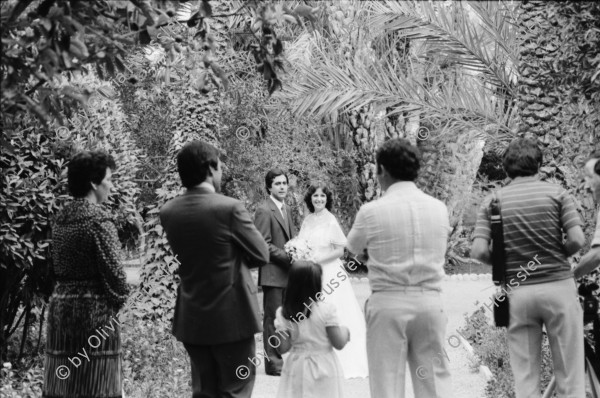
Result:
[
  {"x": 405, "y": 233},
  {"x": 534, "y": 216}
]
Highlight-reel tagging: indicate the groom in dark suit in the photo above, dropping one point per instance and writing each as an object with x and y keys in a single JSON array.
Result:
[
  {"x": 216, "y": 313},
  {"x": 274, "y": 221}
]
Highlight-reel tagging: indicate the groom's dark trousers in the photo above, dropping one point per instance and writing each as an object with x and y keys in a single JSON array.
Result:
[
  {"x": 274, "y": 275},
  {"x": 216, "y": 312}
]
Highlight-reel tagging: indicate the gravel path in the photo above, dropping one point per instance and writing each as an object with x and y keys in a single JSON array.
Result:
[{"x": 459, "y": 298}]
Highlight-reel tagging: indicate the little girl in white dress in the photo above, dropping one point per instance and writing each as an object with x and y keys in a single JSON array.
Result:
[{"x": 309, "y": 329}]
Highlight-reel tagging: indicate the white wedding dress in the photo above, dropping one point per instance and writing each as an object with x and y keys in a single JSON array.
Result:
[{"x": 324, "y": 234}]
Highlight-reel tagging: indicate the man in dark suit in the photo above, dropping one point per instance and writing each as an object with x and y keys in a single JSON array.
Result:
[
  {"x": 216, "y": 313},
  {"x": 274, "y": 221}
]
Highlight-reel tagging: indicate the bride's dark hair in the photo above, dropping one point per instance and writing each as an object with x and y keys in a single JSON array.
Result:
[
  {"x": 304, "y": 282},
  {"x": 312, "y": 189}
]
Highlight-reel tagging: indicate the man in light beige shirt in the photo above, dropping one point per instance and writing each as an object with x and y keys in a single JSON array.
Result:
[{"x": 405, "y": 233}]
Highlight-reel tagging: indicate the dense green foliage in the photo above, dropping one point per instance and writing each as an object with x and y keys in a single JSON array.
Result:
[
  {"x": 34, "y": 188},
  {"x": 491, "y": 348},
  {"x": 29, "y": 196},
  {"x": 559, "y": 94},
  {"x": 155, "y": 364},
  {"x": 42, "y": 39}
]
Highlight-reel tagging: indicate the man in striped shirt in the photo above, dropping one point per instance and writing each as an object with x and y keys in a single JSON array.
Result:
[{"x": 540, "y": 285}]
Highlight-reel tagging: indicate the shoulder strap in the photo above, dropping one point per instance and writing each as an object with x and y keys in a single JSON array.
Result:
[{"x": 498, "y": 252}]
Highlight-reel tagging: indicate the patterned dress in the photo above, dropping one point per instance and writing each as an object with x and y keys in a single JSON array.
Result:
[{"x": 83, "y": 345}]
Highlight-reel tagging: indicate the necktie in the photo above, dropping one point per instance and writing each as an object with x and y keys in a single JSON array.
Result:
[{"x": 284, "y": 215}]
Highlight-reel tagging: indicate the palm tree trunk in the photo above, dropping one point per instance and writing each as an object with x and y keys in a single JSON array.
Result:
[
  {"x": 548, "y": 108},
  {"x": 158, "y": 278},
  {"x": 448, "y": 170},
  {"x": 364, "y": 138}
]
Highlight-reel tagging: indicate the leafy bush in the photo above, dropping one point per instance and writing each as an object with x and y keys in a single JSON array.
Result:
[
  {"x": 29, "y": 195},
  {"x": 23, "y": 377},
  {"x": 24, "y": 382},
  {"x": 148, "y": 109},
  {"x": 491, "y": 347},
  {"x": 33, "y": 189},
  {"x": 102, "y": 125},
  {"x": 155, "y": 364},
  {"x": 294, "y": 149},
  {"x": 491, "y": 167},
  {"x": 43, "y": 39},
  {"x": 257, "y": 135}
]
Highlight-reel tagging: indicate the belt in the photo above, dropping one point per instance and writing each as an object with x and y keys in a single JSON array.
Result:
[
  {"x": 70, "y": 296},
  {"x": 408, "y": 289}
]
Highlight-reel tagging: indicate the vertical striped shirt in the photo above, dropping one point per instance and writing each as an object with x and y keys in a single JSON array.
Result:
[
  {"x": 406, "y": 234},
  {"x": 535, "y": 214}
]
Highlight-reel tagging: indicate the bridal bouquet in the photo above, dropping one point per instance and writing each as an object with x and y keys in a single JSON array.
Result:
[{"x": 298, "y": 249}]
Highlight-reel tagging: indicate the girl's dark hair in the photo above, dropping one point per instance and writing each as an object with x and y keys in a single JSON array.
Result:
[
  {"x": 312, "y": 189},
  {"x": 304, "y": 282},
  {"x": 86, "y": 168}
]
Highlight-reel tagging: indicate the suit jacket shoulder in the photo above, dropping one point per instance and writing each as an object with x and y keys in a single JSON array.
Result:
[
  {"x": 215, "y": 241},
  {"x": 265, "y": 205},
  {"x": 217, "y": 200}
]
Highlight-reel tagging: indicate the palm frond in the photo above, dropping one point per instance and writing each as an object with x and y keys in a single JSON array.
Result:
[
  {"x": 185, "y": 11},
  {"x": 468, "y": 35},
  {"x": 333, "y": 84}
]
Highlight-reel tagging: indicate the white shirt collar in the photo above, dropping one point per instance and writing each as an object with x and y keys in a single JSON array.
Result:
[
  {"x": 207, "y": 185},
  {"x": 401, "y": 186},
  {"x": 277, "y": 202}
]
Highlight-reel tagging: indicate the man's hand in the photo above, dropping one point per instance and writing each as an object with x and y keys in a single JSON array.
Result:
[
  {"x": 363, "y": 257},
  {"x": 480, "y": 250},
  {"x": 588, "y": 263}
]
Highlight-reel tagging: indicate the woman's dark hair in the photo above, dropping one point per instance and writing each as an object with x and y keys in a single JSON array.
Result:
[
  {"x": 193, "y": 161},
  {"x": 522, "y": 158},
  {"x": 304, "y": 282},
  {"x": 312, "y": 189},
  {"x": 86, "y": 168},
  {"x": 271, "y": 175},
  {"x": 400, "y": 158}
]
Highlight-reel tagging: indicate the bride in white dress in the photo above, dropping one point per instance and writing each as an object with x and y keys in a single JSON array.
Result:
[{"x": 327, "y": 241}]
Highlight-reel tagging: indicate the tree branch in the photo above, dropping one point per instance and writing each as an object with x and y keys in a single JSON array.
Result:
[{"x": 35, "y": 87}]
